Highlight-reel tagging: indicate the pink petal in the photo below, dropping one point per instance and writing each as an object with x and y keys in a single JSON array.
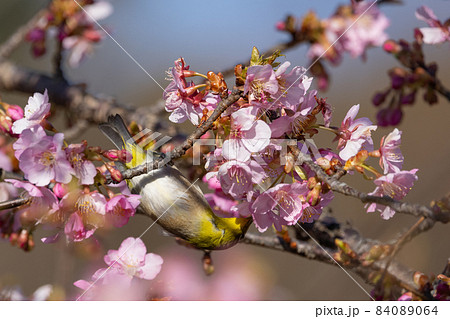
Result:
[
  {"x": 152, "y": 266},
  {"x": 133, "y": 248},
  {"x": 233, "y": 149}
]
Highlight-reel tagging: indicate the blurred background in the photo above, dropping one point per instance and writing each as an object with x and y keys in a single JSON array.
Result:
[{"x": 214, "y": 35}]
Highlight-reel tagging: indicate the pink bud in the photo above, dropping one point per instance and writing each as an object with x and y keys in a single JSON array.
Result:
[
  {"x": 60, "y": 190},
  {"x": 35, "y": 34},
  {"x": 280, "y": 26},
  {"x": 13, "y": 238},
  {"x": 124, "y": 156},
  {"x": 15, "y": 112},
  {"x": 38, "y": 49},
  {"x": 5, "y": 124},
  {"x": 112, "y": 155},
  {"x": 116, "y": 175},
  {"x": 92, "y": 35},
  {"x": 391, "y": 46},
  {"x": 409, "y": 98},
  {"x": 418, "y": 35},
  {"x": 22, "y": 240}
]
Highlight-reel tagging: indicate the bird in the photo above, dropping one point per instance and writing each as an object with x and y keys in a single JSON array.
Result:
[{"x": 167, "y": 197}]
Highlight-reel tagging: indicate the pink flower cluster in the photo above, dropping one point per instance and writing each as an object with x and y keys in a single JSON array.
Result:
[
  {"x": 58, "y": 178},
  {"x": 237, "y": 170},
  {"x": 76, "y": 28},
  {"x": 184, "y": 101},
  {"x": 250, "y": 164},
  {"x": 352, "y": 31},
  {"x": 353, "y": 28}
]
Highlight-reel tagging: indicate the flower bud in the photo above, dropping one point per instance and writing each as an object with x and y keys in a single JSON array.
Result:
[
  {"x": 22, "y": 240},
  {"x": 208, "y": 266},
  {"x": 313, "y": 196},
  {"x": 30, "y": 244},
  {"x": 430, "y": 96},
  {"x": 312, "y": 182},
  {"x": 60, "y": 190},
  {"x": 379, "y": 98},
  {"x": 323, "y": 163},
  {"x": 15, "y": 112},
  {"x": 112, "y": 155},
  {"x": 125, "y": 156},
  {"x": 116, "y": 175},
  {"x": 280, "y": 26},
  {"x": 13, "y": 238},
  {"x": 420, "y": 279},
  {"x": 36, "y": 34},
  {"x": 389, "y": 116},
  {"x": 5, "y": 123},
  {"x": 391, "y": 46},
  {"x": 92, "y": 35},
  {"x": 409, "y": 98},
  {"x": 290, "y": 162}
]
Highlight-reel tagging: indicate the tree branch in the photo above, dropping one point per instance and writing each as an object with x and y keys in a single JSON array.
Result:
[
  {"x": 345, "y": 189},
  {"x": 14, "y": 203},
  {"x": 7, "y": 47},
  {"x": 358, "y": 244},
  {"x": 77, "y": 101}
]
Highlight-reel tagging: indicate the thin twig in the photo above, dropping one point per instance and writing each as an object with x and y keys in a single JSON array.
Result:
[
  {"x": 403, "y": 239},
  {"x": 7, "y": 47},
  {"x": 58, "y": 60},
  {"x": 345, "y": 189},
  {"x": 14, "y": 203},
  {"x": 301, "y": 248},
  {"x": 187, "y": 144},
  {"x": 5, "y": 175},
  {"x": 398, "y": 271},
  {"x": 77, "y": 101}
]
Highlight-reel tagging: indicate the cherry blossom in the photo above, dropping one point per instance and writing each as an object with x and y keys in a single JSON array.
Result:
[
  {"x": 85, "y": 211},
  {"x": 261, "y": 83},
  {"x": 437, "y": 32},
  {"x": 396, "y": 185},
  {"x": 45, "y": 160},
  {"x": 279, "y": 205},
  {"x": 247, "y": 135},
  {"x": 294, "y": 123},
  {"x": 182, "y": 99},
  {"x": 237, "y": 178},
  {"x": 84, "y": 169},
  {"x": 355, "y": 134},
  {"x": 132, "y": 260},
  {"x": 220, "y": 202},
  {"x": 28, "y": 138},
  {"x": 36, "y": 110},
  {"x": 391, "y": 157},
  {"x": 292, "y": 86},
  {"x": 120, "y": 208}
]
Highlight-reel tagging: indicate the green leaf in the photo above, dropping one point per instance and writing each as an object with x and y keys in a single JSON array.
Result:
[{"x": 255, "y": 59}]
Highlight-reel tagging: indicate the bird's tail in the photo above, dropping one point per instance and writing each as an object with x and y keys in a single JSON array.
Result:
[{"x": 116, "y": 131}]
